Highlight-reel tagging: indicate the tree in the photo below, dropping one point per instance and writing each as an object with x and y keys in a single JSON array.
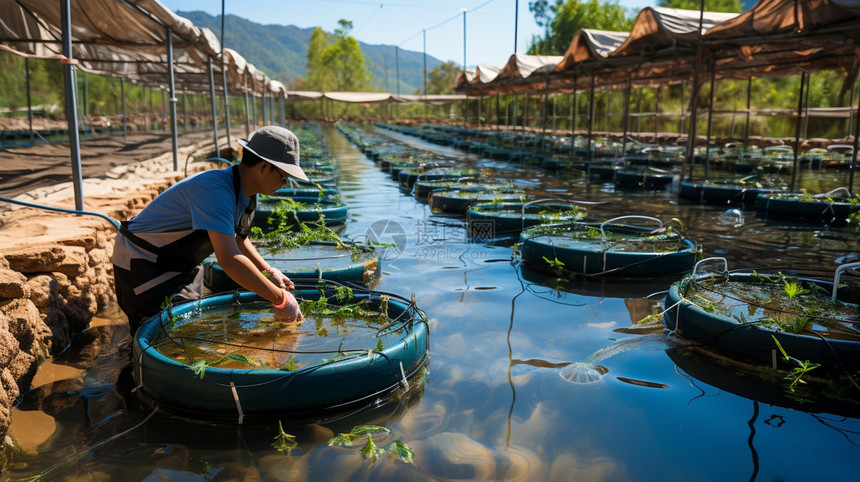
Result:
[
  {"x": 441, "y": 79},
  {"x": 564, "y": 19},
  {"x": 335, "y": 62},
  {"x": 728, "y": 6}
]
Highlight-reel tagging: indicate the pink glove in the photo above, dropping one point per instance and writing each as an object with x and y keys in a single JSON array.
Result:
[
  {"x": 288, "y": 311},
  {"x": 279, "y": 279}
]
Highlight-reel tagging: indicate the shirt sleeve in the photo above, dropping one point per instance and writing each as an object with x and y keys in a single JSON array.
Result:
[{"x": 213, "y": 208}]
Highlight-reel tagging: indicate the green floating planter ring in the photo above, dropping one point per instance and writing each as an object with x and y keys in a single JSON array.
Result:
[
  {"x": 509, "y": 219},
  {"x": 317, "y": 260},
  {"x": 339, "y": 380},
  {"x": 605, "y": 249},
  {"x": 458, "y": 200},
  {"x": 740, "y": 331},
  {"x": 721, "y": 192},
  {"x": 803, "y": 207},
  {"x": 333, "y": 211}
]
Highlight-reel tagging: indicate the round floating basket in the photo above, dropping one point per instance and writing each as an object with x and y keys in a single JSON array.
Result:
[
  {"x": 740, "y": 314},
  {"x": 173, "y": 356},
  {"x": 458, "y": 200},
  {"x": 307, "y": 192},
  {"x": 642, "y": 180},
  {"x": 316, "y": 260},
  {"x": 333, "y": 211},
  {"x": 488, "y": 220},
  {"x": 612, "y": 250},
  {"x": 805, "y": 207},
  {"x": 720, "y": 193}
]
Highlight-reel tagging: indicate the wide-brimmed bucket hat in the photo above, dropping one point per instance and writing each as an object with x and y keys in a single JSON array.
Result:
[{"x": 277, "y": 146}]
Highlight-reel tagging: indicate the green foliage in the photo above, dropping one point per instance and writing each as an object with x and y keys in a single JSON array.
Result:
[
  {"x": 291, "y": 365},
  {"x": 728, "y": 6},
  {"x": 370, "y": 450},
  {"x": 795, "y": 377},
  {"x": 441, "y": 79},
  {"x": 555, "y": 265},
  {"x": 335, "y": 62},
  {"x": 562, "y": 20},
  {"x": 284, "y": 442}
]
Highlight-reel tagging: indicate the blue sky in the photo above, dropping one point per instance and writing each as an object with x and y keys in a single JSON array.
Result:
[{"x": 489, "y": 23}]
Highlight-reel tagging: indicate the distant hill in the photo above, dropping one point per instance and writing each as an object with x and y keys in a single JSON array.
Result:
[{"x": 281, "y": 51}]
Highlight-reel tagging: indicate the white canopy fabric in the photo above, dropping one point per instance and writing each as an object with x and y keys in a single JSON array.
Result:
[
  {"x": 658, "y": 28},
  {"x": 373, "y": 97},
  {"x": 589, "y": 44},
  {"x": 124, "y": 38}
]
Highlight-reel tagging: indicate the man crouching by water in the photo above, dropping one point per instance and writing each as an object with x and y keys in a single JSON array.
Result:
[{"x": 159, "y": 253}]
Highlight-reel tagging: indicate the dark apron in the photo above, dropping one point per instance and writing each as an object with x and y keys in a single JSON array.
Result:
[{"x": 185, "y": 255}]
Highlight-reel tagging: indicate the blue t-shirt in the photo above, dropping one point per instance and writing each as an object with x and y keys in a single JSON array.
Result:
[{"x": 205, "y": 201}]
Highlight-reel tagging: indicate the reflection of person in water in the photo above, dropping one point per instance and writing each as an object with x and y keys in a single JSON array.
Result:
[{"x": 159, "y": 253}]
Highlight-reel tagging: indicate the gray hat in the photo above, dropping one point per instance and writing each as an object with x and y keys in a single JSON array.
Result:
[{"x": 277, "y": 146}]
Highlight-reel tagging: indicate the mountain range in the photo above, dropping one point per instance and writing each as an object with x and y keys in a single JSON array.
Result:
[{"x": 281, "y": 51}]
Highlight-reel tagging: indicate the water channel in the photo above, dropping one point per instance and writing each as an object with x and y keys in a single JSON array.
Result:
[{"x": 495, "y": 406}]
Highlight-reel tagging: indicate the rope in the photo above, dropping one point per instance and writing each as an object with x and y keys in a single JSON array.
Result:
[{"x": 113, "y": 221}]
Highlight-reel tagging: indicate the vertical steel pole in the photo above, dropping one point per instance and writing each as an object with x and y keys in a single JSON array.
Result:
[
  {"x": 281, "y": 109},
  {"x": 71, "y": 104},
  {"x": 224, "y": 79},
  {"x": 171, "y": 81},
  {"x": 710, "y": 119},
  {"x": 797, "y": 130},
  {"x": 263, "y": 107},
  {"x": 853, "y": 168},
  {"x": 397, "y": 67},
  {"x": 626, "y": 115},
  {"x": 424, "y": 32},
  {"x": 590, "y": 117},
  {"x": 749, "y": 104},
  {"x": 29, "y": 100},
  {"x": 214, "y": 106},
  {"x": 122, "y": 108}
]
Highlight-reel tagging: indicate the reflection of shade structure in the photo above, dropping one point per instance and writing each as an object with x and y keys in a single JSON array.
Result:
[
  {"x": 598, "y": 288},
  {"x": 589, "y": 370},
  {"x": 734, "y": 378}
]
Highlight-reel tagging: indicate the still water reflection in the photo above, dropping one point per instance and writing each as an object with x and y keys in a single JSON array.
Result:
[{"x": 499, "y": 404}]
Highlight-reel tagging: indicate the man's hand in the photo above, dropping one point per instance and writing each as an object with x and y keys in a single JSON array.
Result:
[
  {"x": 291, "y": 312},
  {"x": 278, "y": 278}
]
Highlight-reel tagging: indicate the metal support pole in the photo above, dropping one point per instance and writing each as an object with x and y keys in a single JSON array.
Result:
[
  {"x": 122, "y": 107},
  {"x": 626, "y": 119},
  {"x": 797, "y": 131},
  {"x": 853, "y": 167},
  {"x": 29, "y": 101},
  {"x": 424, "y": 32},
  {"x": 263, "y": 108},
  {"x": 806, "y": 109},
  {"x": 397, "y": 67},
  {"x": 171, "y": 85},
  {"x": 254, "y": 110},
  {"x": 657, "y": 113},
  {"x": 185, "y": 112},
  {"x": 71, "y": 104},
  {"x": 163, "y": 110},
  {"x": 281, "y": 109},
  {"x": 683, "y": 106},
  {"x": 710, "y": 119},
  {"x": 224, "y": 79},
  {"x": 590, "y": 117},
  {"x": 247, "y": 112},
  {"x": 214, "y": 106},
  {"x": 749, "y": 104}
]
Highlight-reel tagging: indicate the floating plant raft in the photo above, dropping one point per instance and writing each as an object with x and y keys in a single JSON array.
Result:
[
  {"x": 741, "y": 314},
  {"x": 274, "y": 211},
  {"x": 607, "y": 249},
  {"x": 729, "y": 191},
  {"x": 508, "y": 219},
  {"x": 228, "y": 355},
  {"x": 328, "y": 260},
  {"x": 457, "y": 200},
  {"x": 835, "y": 206}
]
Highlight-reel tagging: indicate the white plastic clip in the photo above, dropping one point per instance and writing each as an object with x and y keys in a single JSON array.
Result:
[
  {"x": 404, "y": 381},
  {"x": 238, "y": 404}
]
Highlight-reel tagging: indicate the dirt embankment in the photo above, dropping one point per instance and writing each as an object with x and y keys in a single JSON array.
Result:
[{"x": 55, "y": 269}]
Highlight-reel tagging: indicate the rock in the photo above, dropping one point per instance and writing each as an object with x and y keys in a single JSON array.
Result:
[
  {"x": 9, "y": 348},
  {"x": 41, "y": 290},
  {"x": 74, "y": 263},
  {"x": 10, "y": 385},
  {"x": 57, "y": 322},
  {"x": 98, "y": 257},
  {"x": 11, "y": 284},
  {"x": 23, "y": 369},
  {"x": 25, "y": 322},
  {"x": 39, "y": 259},
  {"x": 77, "y": 316}
]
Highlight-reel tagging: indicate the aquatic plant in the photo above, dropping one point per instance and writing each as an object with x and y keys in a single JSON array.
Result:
[
  {"x": 284, "y": 442},
  {"x": 795, "y": 376},
  {"x": 370, "y": 450}
]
